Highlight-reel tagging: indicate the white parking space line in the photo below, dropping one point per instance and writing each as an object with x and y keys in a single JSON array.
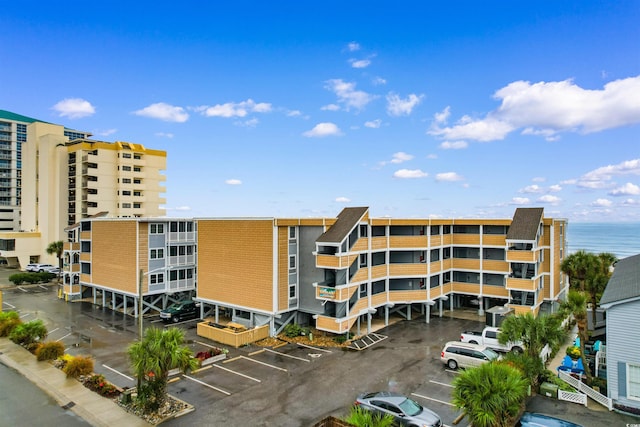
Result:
[
  {"x": 43, "y": 287},
  {"x": 63, "y": 337},
  {"x": 207, "y": 385},
  {"x": 22, "y": 289},
  {"x": 52, "y": 331},
  {"x": 262, "y": 363},
  {"x": 156, "y": 321},
  {"x": 10, "y": 305},
  {"x": 453, "y": 372},
  {"x": 237, "y": 373},
  {"x": 438, "y": 382},
  {"x": 431, "y": 398},
  {"x": 118, "y": 372},
  {"x": 314, "y": 348},
  {"x": 206, "y": 345},
  {"x": 288, "y": 355},
  {"x": 25, "y": 315}
]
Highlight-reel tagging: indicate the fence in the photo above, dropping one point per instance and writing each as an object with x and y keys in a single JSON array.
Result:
[
  {"x": 580, "y": 386},
  {"x": 232, "y": 336},
  {"x": 570, "y": 396}
]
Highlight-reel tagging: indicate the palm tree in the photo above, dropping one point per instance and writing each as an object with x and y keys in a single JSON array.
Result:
[
  {"x": 56, "y": 248},
  {"x": 576, "y": 305},
  {"x": 578, "y": 266},
  {"x": 159, "y": 351},
  {"x": 491, "y": 395},
  {"x": 534, "y": 332}
]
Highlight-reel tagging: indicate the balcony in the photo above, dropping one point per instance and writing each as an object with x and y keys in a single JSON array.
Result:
[
  {"x": 494, "y": 240},
  {"x": 466, "y": 239},
  {"x": 408, "y": 296},
  {"x": 522, "y": 256},
  {"x": 409, "y": 269},
  {"x": 338, "y": 294},
  {"x": 402, "y": 242},
  {"x": 466, "y": 264},
  {"x": 69, "y": 246},
  {"x": 494, "y": 265},
  {"x": 335, "y": 261},
  {"x": 529, "y": 285}
]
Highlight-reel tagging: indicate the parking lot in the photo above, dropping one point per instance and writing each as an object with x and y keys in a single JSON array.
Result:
[{"x": 290, "y": 385}]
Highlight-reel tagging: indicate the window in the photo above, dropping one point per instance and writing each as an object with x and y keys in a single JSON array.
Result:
[
  {"x": 126, "y": 180},
  {"x": 137, "y": 180},
  {"x": 137, "y": 205},
  {"x": 363, "y": 260},
  {"x": 126, "y": 205},
  {"x": 292, "y": 233},
  {"x": 292, "y": 291},
  {"x": 363, "y": 230},
  {"x": 157, "y": 228},
  {"x": 157, "y": 278},
  {"x": 126, "y": 168},
  {"x": 292, "y": 262},
  {"x": 126, "y": 193},
  {"x": 137, "y": 169},
  {"x": 126, "y": 155},
  {"x": 157, "y": 253},
  {"x": 633, "y": 381}
]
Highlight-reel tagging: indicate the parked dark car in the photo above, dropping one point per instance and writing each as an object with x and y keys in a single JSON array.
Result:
[
  {"x": 181, "y": 310},
  {"x": 406, "y": 411},
  {"x": 531, "y": 419}
]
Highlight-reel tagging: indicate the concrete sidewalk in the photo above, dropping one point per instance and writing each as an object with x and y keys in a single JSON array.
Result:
[{"x": 68, "y": 392}]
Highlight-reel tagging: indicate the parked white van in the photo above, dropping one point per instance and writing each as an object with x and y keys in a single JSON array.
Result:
[{"x": 466, "y": 355}]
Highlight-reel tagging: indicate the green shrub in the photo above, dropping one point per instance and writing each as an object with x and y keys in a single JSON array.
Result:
[
  {"x": 292, "y": 330},
  {"x": 8, "y": 321},
  {"x": 50, "y": 351},
  {"x": 28, "y": 333},
  {"x": 77, "y": 366},
  {"x": 100, "y": 385},
  {"x": 341, "y": 339},
  {"x": 31, "y": 278},
  {"x": 549, "y": 377}
]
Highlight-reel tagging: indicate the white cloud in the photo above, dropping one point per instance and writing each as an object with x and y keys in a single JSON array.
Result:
[
  {"x": 400, "y": 157},
  {"x": 233, "y": 181},
  {"x": 627, "y": 189},
  {"x": 453, "y": 145},
  {"x": 442, "y": 116},
  {"x": 408, "y": 173},
  {"x": 236, "y": 109},
  {"x": 629, "y": 202},
  {"x": 323, "y": 129},
  {"x": 164, "y": 112},
  {"x": 485, "y": 130},
  {"x": 601, "y": 177},
  {"x": 164, "y": 134},
  {"x": 330, "y": 107},
  {"x": 538, "y": 179},
  {"x": 548, "y": 108},
  {"x": 547, "y": 198},
  {"x": 342, "y": 200},
  {"x": 348, "y": 95},
  {"x": 373, "y": 124},
  {"x": 294, "y": 113},
  {"x": 432, "y": 156},
  {"x": 107, "y": 132},
  {"x": 531, "y": 189},
  {"x": 520, "y": 201},
  {"x": 353, "y": 46},
  {"x": 603, "y": 203},
  {"x": 74, "y": 108},
  {"x": 377, "y": 81},
  {"x": 360, "y": 63},
  {"x": 250, "y": 123},
  {"x": 448, "y": 176},
  {"x": 397, "y": 106},
  {"x": 555, "y": 188}
]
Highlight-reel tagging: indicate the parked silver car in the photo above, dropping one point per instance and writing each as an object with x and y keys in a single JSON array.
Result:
[
  {"x": 406, "y": 411},
  {"x": 38, "y": 268}
]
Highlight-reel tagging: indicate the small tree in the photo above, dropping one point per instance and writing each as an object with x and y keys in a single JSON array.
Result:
[
  {"x": 160, "y": 351},
  {"x": 491, "y": 395},
  {"x": 576, "y": 305},
  {"x": 56, "y": 248},
  {"x": 534, "y": 332}
]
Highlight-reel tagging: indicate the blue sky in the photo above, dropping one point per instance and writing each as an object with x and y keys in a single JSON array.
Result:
[{"x": 298, "y": 109}]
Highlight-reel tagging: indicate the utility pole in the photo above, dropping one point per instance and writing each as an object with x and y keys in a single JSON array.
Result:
[{"x": 140, "y": 305}]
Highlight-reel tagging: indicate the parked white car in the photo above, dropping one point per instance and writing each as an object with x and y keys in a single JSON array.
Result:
[
  {"x": 39, "y": 268},
  {"x": 466, "y": 355}
]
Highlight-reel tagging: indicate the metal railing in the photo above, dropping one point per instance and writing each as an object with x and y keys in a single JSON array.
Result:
[
  {"x": 570, "y": 396},
  {"x": 580, "y": 386}
]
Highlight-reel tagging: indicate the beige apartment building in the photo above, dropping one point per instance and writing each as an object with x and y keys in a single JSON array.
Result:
[
  {"x": 64, "y": 177},
  {"x": 335, "y": 274}
]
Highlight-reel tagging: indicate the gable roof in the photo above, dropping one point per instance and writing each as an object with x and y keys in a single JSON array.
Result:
[
  {"x": 347, "y": 219},
  {"x": 624, "y": 283},
  {"x": 525, "y": 224}
]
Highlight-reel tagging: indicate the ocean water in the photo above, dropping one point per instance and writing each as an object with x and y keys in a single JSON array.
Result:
[{"x": 620, "y": 239}]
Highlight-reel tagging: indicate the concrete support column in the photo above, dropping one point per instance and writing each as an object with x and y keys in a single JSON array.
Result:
[
  {"x": 386, "y": 315},
  {"x": 217, "y": 313}
]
